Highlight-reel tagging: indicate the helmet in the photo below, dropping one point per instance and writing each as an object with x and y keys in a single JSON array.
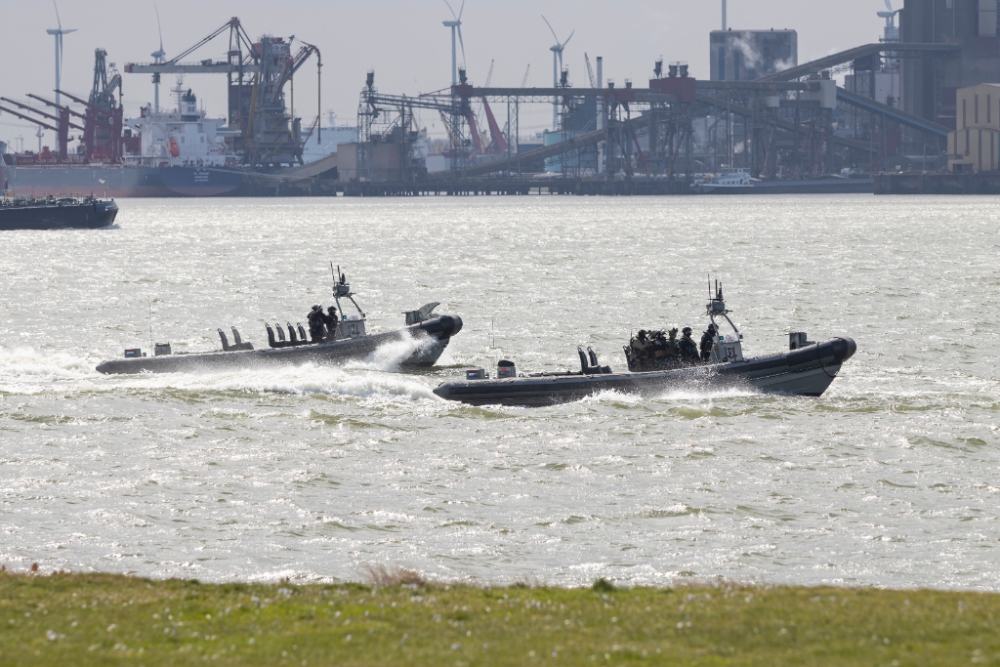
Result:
[
  {"x": 642, "y": 332},
  {"x": 317, "y": 307},
  {"x": 686, "y": 330}
]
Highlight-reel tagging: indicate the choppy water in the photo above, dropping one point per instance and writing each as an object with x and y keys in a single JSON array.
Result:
[{"x": 890, "y": 479}]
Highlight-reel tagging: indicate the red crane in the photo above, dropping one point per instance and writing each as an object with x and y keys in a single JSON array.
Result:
[
  {"x": 61, "y": 128},
  {"x": 108, "y": 119}
]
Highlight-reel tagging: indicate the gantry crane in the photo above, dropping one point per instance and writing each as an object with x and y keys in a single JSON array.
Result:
[{"x": 256, "y": 74}]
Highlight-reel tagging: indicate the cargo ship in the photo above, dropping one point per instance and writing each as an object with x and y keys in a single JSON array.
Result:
[{"x": 181, "y": 153}]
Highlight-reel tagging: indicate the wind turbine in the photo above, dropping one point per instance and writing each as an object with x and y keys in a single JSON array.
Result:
[
  {"x": 891, "y": 31},
  {"x": 557, "y": 60},
  {"x": 159, "y": 56},
  {"x": 58, "y": 34},
  {"x": 456, "y": 27}
]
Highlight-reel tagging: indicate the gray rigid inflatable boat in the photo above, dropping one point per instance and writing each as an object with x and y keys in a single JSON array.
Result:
[
  {"x": 431, "y": 338},
  {"x": 807, "y": 369},
  {"x": 428, "y": 335}
]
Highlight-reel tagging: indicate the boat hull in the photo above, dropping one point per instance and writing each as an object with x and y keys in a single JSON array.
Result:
[
  {"x": 431, "y": 339},
  {"x": 806, "y": 187},
  {"x": 118, "y": 181},
  {"x": 808, "y": 371},
  {"x": 84, "y": 215}
]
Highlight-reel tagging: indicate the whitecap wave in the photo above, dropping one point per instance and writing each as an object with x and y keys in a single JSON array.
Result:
[
  {"x": 679, "y": 394},
  {"x": 25, "y": 370},
  {"x": 390, "y": 356}
]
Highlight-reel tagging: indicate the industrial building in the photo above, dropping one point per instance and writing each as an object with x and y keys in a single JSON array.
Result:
[
  {"x": 973, "y": 145},
  {"x": 921, "y": 97},
  {"x": 745, "y": 55},
  {"x": 929, "y": 82}
]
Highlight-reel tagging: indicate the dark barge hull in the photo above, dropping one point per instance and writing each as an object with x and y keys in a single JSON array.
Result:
[
  {"x": 83, "y": 215},
  {"x": 804, "y": 372},
  {"x": 432, "y": 337}
]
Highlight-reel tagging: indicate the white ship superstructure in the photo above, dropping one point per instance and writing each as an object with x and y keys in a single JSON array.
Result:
[{"x": 182, "y": 137}]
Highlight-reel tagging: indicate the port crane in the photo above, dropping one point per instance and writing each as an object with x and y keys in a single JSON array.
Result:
[
  {"x": 256, "y": 74},
  {"x": 60, "y": 124},
  {"x": 102, "y": 122}
]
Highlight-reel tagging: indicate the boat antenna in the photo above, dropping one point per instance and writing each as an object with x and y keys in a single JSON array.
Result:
[{"x": 336, "y": 295}]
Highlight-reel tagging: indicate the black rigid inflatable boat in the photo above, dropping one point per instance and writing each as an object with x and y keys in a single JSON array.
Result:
[{"x": 807, "y": 369}]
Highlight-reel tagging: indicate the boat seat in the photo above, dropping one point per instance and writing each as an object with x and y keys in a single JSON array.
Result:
[
  {"x": 589, "y": 364},
  {"x": 238, "y": 346},
  {"x": 291, "y": 341}
]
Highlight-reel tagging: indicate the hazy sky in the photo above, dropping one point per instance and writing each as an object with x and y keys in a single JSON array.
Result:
[{"x": 403, "y": 41}]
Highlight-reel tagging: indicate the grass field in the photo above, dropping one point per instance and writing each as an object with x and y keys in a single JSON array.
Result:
[{"x": 97, "y": 619}]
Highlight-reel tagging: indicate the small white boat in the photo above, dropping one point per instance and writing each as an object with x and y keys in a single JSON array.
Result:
[{"x": 725, "y": 182}]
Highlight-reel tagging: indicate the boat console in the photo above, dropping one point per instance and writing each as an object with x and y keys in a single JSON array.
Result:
[{"x": 726, "y": 347}]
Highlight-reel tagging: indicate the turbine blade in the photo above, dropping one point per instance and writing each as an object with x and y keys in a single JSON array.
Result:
[
  {"x": 449, "y": 9},
  {"x": 568, "y": 38},
  {"x": 462, "y": 9},
  {"x": 546, "y": 23},
  {"x": 462, "y": 44},
  {"x": 159, "y": 28},
  {"x": 58, "y": 20},
  {"x": 888, "y": 5}
]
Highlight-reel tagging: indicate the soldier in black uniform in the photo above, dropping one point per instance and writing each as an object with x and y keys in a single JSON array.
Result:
[
  {"x": 330, "y": 320},
  {"x": 673, "y": 348},
  {"x": 688, "y": 349},
  {"x": 315, "y": 318},
  {"x": 707, "y": 341}
]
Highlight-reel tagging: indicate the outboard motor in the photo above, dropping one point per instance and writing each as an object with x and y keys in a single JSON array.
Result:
[
  {"x": 225, "y": 341},
  {"x": 291, "y": 333},
  {"x": 506, "y": 369},
  {"x": 281, "y": 332},
  {"x": 270, "y": 335},
  {"x": 302, "y": 334}
]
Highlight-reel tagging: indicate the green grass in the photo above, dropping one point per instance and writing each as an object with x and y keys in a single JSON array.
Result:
[{"x": 99, "y": 619}]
